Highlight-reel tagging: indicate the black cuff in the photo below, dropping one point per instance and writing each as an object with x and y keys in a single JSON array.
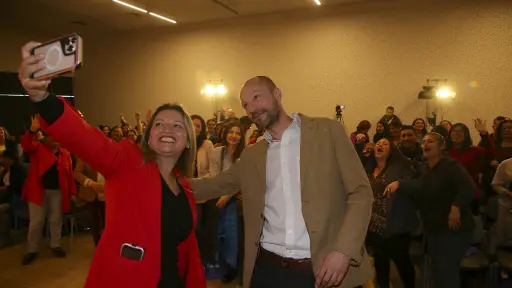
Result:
[{"x": 50, "y": 109}]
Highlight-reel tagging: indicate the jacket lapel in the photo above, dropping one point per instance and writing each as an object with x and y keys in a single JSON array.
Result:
[
  {"x": 307, "y": 142},
  {"x": 261, "y": 169},
  {"x": 261, "y": 160}
]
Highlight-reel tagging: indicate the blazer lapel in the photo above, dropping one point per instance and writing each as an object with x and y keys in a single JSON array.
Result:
[
  {"x": 307, "y": 142},
  {"x": 261, "y": 160}
]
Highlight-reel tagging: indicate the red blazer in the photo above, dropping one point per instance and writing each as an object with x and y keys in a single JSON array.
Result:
[
  {"x": 473, "y": 159},
  {"x": 133, "y": 206},
  {"x": 41, "y": 159}
]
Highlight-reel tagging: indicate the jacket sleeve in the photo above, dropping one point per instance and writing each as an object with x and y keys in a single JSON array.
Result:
[
  {"x": 466, "y": 187},
  {"x": 80, "y": 138},
  {"x": 28, "y": 143},
  {"x": 226, "y": 182},
  {"x": 78, "y": 172},
  {"x": 359, "y": 199}
]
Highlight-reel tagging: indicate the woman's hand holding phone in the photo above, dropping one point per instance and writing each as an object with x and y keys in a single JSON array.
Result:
[{"x": 37, "y": 89}]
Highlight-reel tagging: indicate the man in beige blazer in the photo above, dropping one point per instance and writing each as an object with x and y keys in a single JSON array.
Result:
[{"x": 307, "y": 199}]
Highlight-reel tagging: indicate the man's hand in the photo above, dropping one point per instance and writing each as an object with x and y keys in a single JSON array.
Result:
[
  {"x": 99, "y": 188},
  {"x": 332, "y": 271},
  {"x": 454, "y": 218}
]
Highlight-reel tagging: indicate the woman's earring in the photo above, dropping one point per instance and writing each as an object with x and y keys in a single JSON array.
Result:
[{"x": 188, "y": 145}]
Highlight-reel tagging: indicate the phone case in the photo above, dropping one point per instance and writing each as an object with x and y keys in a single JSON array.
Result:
[{"x": 62, "y": 55}]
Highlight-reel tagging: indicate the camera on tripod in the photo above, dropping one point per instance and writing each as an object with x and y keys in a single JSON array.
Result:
[{"x": 339, "y": 112}]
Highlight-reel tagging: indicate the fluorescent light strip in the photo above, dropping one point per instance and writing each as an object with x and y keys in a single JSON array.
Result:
[
  {"x": 318, "y": 2},
  {"x": 162, "y": 17},
  {"x": 26, "y": 95},
  {"x": 130, "y": 6}
]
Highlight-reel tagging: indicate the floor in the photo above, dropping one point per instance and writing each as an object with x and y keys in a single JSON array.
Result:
[{"x": 70, "y": 272}]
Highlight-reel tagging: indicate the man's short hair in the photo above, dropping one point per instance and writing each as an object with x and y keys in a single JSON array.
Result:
[
  {"x": 268, "y": 82},
  {"x": 407, "y": 127},
  {"x": 390, "y": 108}
]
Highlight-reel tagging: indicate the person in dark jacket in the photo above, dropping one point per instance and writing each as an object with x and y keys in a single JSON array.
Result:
[
  {"x": 393, "y": 219},
  {"x": 444, "y": 193},
  {"x": 11, "y": 183}
]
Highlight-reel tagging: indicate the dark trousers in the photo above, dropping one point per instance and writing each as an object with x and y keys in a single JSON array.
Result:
[
  {"x": 241, "y": 249},
  {"x": 207, "y": 231},
  {"x": 394, "y": 248},
  {"x": 96, "y": 212},
  {"x": 446, "y": 250},
  {"x": 269, "y": 274}
]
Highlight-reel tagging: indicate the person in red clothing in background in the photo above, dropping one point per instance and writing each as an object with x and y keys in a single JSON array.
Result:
[
  {"x": 48, "y": 189},
  {"x": 149, "y": 238},
  {"x": 473, "y": 158}
]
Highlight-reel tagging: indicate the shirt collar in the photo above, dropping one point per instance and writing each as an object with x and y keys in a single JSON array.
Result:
[{"x": 296, "y": 123}]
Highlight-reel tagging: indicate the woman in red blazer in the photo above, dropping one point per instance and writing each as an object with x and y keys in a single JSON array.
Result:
[{"x": 149, "y": 238}]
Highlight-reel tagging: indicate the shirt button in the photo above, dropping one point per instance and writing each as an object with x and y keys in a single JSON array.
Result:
[{"x": 289, "y": 231}]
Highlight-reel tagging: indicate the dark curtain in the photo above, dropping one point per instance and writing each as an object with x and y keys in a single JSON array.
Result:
[{"x": 16, "y": 109}]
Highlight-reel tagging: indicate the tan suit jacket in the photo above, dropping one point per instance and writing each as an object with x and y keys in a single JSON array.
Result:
[
  {"x": 83, "y": 172},
  {"x": 335, "y": 193}
]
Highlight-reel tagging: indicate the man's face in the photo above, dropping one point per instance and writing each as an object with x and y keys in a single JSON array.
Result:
[
  {"x": 211, "y": 125},
  {"x": 408, "y": 138},
  {"x": 390, "y": 112},
  {"x": 261, "y": 105}
]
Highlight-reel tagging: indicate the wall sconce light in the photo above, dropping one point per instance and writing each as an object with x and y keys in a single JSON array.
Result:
[{"x": 214, "y": 88}]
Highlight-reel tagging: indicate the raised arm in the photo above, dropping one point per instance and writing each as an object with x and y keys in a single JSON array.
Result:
[
  {"x": 28, "y": 141},
  {"x": 64, "y": 123},
  {"x": 351, "y": 236},
  {"x": 225, "y": 183}
]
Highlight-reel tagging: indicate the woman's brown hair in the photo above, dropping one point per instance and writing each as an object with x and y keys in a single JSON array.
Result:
[{"x": 186, "y": 162}]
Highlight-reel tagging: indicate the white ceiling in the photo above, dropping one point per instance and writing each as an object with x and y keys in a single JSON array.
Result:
[{"x": 95, "y": 16}]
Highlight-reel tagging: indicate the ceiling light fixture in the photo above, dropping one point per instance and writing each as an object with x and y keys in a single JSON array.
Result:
[
  {"x": 130, "y": 6},
  {"x": 318, "y": 2},
  {"x": 162, "y": 17}
]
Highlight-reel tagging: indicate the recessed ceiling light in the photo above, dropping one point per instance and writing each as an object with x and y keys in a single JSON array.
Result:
[
  {"x": 318, "y": 2},
  {"x": 162, "y": 17},
  {"x": 130, "y": 6}
]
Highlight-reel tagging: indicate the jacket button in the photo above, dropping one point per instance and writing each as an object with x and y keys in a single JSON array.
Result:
[
  {"x": 262, "y": 216},
  {"x": 257, "y": 243}
]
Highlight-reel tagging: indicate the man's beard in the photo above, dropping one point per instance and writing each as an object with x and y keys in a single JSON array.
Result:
[{"x": 272, "y": 118}]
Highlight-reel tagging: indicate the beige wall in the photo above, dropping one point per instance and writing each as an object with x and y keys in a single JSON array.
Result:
[
  {"x": 363, "y": 56},
  {"x": 11, "y": 41}
]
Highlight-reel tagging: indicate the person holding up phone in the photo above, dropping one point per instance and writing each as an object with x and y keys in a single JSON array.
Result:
[{"x": 149, "y": 238}]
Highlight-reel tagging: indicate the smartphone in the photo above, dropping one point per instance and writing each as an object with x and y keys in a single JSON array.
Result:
[
  {"x": 62, "y": 55},
  {"x": 132, "y": 252}
]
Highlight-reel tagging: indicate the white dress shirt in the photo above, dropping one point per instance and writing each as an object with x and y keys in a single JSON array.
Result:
[{"x": 284, "y": 230}]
